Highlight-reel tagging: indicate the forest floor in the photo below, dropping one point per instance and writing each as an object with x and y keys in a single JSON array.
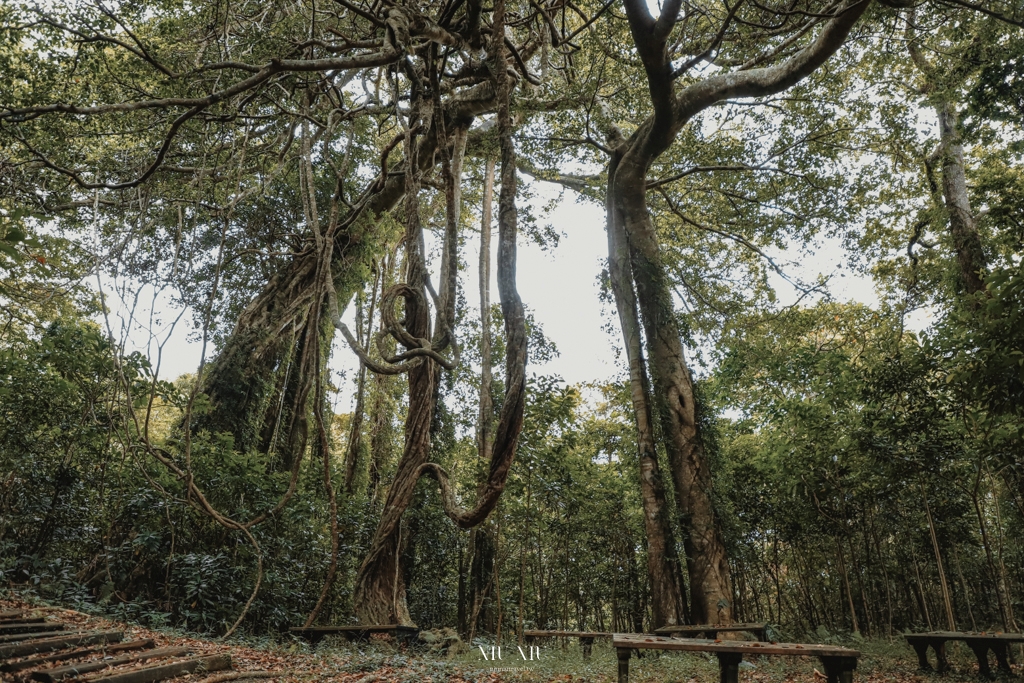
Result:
[{"x": 383, "y": 662}]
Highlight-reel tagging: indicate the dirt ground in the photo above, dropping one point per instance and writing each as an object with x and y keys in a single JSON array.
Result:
[{"x": 381, "y": 661}]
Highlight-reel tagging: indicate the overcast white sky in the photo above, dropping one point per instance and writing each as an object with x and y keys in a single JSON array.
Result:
[{"x": 560, "y": 286}]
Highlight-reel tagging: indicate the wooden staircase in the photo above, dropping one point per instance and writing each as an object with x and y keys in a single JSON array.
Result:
[{"x": 34, "y": 648}]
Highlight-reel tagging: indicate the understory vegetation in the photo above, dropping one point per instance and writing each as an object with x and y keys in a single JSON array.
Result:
[{"x": 825, "y": 488}]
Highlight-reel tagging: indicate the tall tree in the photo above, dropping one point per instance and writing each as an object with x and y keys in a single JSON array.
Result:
[{"x": 674, "y": 106}]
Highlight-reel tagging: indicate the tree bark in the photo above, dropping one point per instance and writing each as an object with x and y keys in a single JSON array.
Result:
[
  {"x": 253, "y": 381},
  {"x": 970, "y": 255},
  {"x": 966, "y": 241},
  {"x": 668, "y": 598},
  {"x": 482, "y": 581}
]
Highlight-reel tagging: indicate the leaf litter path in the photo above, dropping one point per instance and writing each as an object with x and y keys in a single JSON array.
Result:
[{"x": 273, "y": 664}]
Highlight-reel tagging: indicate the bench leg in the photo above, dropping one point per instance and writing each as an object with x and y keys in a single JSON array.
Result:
[
  {"x": 729, "y": 666},
  {"x": 623, "y": 655},
  {"x": 1002, "y": 651},
  {"x": 922, "y": 655},
  {"x": 941, "y": 663},
  {"x": 981, "y": 652},
  {"x": 587, "y": 644},
  {"x": 839, "y": 669}
]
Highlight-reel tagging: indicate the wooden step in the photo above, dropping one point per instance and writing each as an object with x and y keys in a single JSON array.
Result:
[
  {"x": 35, "y": 627},
  {"x": 30, "y": 635},
  {"x": 61, "y": 672},
  {"x": 33, "y": 662},
  {"x": 22, "y": 620},
  {"x": 163, "y": 671},
  {"x": 12, "y": 614},
  {"x": 9, "y": 651}
]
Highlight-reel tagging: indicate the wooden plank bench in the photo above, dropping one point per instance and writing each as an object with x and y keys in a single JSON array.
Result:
[
  {"x": 838, "y": 662},
  {"x": 586, "y": 638},
  {"x": 759, "y": 631},
  {"x": 314, "y": 634},
  {"x": 980, "y": 643}
]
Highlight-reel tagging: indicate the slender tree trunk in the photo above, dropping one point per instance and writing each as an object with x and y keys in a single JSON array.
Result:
[
  {"x": 497, "y": 585},
  {"x": 482, "y": 537},
  {"x": 382, "y": 410},
  {"x": 865, "y": 605},
  {"x": 776, "y": 569},
  {"x": 920, "y": 590},
  {"x": 522, "y": 562},
  {"x": 481, "y": 579},
  {"x": 885, "y": 576},
  {"x": 355, "y": 433},
  {"x": 356, "y": 447},
  {"x": 462, "y": 612},
  {"x": 955, "y": 199},
  {"x": 1001, "y": 596},
  {"x": 740, "y": 592},
  {"x": 668, "y": 599},
  {"x": 1003, "y": 577},
  {"x": 486, "y": 400},
  {"x": 946, "y": 600},
  {"x": 967, "y": 591},
  {"x": 962, "y": 227},
  {"x": 846, "y": 586}
]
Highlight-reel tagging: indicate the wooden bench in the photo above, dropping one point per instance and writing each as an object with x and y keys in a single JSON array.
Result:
[
  {"x": 586, "y": 637},
  {"x": 980, "y": 644},
  {"x": 314, "y": 634},
  {"x": 838, "y": 662},
  {"x": 759, "y": 631}
]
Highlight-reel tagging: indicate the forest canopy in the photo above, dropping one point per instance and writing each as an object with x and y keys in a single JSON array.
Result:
[{"x": 275, "y": 169}]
